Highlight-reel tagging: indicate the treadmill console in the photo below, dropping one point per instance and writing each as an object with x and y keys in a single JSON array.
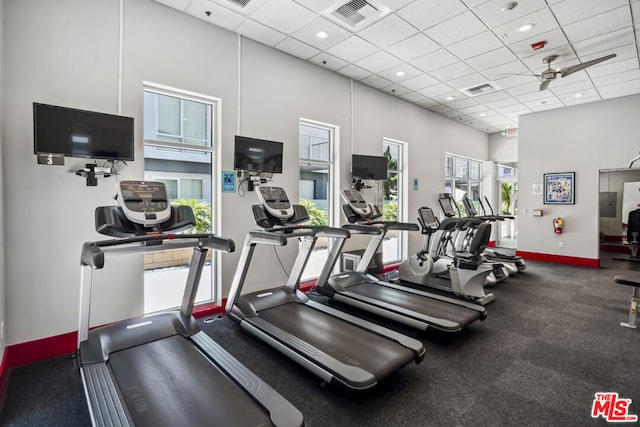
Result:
[
  {"x": 446, "y": 203},
  {"x": 144, "y": 202},
  {"x": 275, "y": 201},
  {"x": 357, "y": 203},
  {"x": 427, "y": 219}
]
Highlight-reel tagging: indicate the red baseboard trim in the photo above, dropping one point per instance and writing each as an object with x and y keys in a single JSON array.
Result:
[
  {"x": 3, "y": 377},
  {"x": 560, "y": 259},
  {"x": 614, "y": 248}
]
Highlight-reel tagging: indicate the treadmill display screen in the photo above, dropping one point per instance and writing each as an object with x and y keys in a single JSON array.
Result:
[{"x": 142, "y": 196}]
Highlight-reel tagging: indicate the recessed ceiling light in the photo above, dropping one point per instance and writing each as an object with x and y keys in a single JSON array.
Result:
[
  {"x": 450, "y": 98},
  {"x": 322, "y": 34},
  {"x": 578, "y": 95},
  {"x": 525, "y": 27},
  {"x": 400, "y": 73},
  {"x": 483, "y": 114}
]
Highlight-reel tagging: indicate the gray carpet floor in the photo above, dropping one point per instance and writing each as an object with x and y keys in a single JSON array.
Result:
[{"x": 552, "y": 339}]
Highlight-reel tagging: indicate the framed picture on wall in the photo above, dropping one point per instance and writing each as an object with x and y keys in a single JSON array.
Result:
[{"x": 559, "y": 188}]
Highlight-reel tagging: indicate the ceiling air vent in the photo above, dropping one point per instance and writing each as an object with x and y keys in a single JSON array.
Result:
[
  {"x": 357, "y": 14},
  {"x": 239, "y": 3},
  {"x": 480, "y": 89}
]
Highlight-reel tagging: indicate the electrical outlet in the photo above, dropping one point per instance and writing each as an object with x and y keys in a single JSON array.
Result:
[{"x": 561, "y": 245}]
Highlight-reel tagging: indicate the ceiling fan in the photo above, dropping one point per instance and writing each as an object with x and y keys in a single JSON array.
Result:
[{"x": 551, "y": 74}]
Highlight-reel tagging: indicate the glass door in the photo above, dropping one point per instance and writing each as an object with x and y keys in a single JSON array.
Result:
[{"x": 507, "y": 206}]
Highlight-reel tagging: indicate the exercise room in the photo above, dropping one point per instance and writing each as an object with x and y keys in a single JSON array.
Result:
[{"x": 320, "y": 213}]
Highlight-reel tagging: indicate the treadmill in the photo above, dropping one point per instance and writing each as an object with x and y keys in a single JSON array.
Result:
[
  {"x": 339, "y": 348},
  {"x": 412, "y": 307},
  {"x": 161, "y": 369}
]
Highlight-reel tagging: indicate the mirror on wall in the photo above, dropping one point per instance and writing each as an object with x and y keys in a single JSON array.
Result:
[{"x": 618, "y": 194}]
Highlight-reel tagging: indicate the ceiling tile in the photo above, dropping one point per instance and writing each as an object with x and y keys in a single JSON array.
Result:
[
  {"x": 620, "y": 89},
  {"x": 480, "y": 43},
  {"x": 424, "y": 14},
  {"x": 501, "y": 103},
  {"x": 491, "y": 59},
  {"x": 616, "y": 78},
  {"x": 376, "y": 81},
  {"x": 413, "y": 47},
  {"x": 397, "y": 90},
  {"x": 435, "y": 90},
  {"x": 387, "y": 31},
  {"x": 513, "y": 67},
  {"x": 329, "y": 62},
  {"x": 492, "y": 15},
  {"x": 427, "y": 103},
  {"x": 297, "y": 48},
  {"x": 462, "y": 103},
  {"x": 219, "y": 15},
  {"x": 455, "y": 29},
  {"x": 318, "y": 6},
  {"x": 378, "y": 62},
  {"x": 570, "y": 11},
  {"x": 440, "y": 109},
  {"x": 419, "y": 82},
  {"x": 516, "y": 91},
  {"x": 492, "y": 96},
  {"x": 565, "y": 57},
  {"x": 451, "y": 71},
  {"x": 413, "y": 97},
  {"x": 543, "y": 20},
  {"x": 599, "y": 24},
  {"x": 577, "y": 94},
  {"x": 261, "y": 33},
  {"x": 307, "y": 34},
  {"x": 473, "y": 109},
  {"x": 285, "y": 16},
  {"x": 467, "y": 81},
  {"x": 553, "y": 39},
  {"x": 612, "y": 67},
  {"x": 407, "y": 70},
  {"x": 434, "y": 60},
  {"x": 583, "y": 100},
  {"x": 245, "y": 10},
  {"x": 623, "y": 52},
  {"x": 635, "y": 10},
  {"x": 354, "y": 72},
  {"x": 571, "y": 88},
  {"x": 352, "y": 49},
  {"x": 604, "y": 43}
]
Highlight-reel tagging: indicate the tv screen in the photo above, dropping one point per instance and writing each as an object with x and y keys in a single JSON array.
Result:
[
  {"x": 257, "y": 155},
  {"x": 80, "y": 133},
  {"x": 369, "y": 167}
]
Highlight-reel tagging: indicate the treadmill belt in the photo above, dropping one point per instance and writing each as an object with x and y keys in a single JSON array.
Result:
[
  {"x": 420, "y": 304},
  {"x": 344, "y": 341},
  {"x": 170, "y": 383}
]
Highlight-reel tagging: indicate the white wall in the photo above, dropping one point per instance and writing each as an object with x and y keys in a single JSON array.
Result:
[
  {"x": 581, "y": 139},
  {"x": 66, "y": 53},
  {"x": 2, "y": 237},
  {"x": 503, "y": 149}
]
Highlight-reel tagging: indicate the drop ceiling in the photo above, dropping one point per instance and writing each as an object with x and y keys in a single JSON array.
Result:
[{"x": 430, "y": 52}]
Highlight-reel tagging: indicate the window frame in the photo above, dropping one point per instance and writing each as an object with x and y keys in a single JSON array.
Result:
[
  {"x": 215, "y": 151},
  {"x": 468, "y": 181},
  {"x": 403, "y": 192}
]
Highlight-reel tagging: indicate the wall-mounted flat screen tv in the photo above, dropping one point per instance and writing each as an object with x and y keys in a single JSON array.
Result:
[
  {"x": 369, "y": 167},
  {"x": 81, "y": 133},
  {"x": 257, "y": 155}
]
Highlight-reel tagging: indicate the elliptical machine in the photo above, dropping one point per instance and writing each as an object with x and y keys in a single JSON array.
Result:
[{"x": 513, "y": 263}]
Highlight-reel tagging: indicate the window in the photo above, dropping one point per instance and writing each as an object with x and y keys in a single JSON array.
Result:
[
  {"x": 394, "y": 194},
  {"x": 315, "y": 188},
  {"x": 463, "y": 176},
  {"x": 180, "y": 131}
]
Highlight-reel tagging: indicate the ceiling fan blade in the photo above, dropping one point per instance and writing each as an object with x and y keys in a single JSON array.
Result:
[
  {"x": 544, "y": 85},
  {"x": 578, "y": 67}
]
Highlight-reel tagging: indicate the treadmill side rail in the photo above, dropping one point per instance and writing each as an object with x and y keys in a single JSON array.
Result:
[
  {"x": 281, "y": 412},
  {"x": 105, "y": 407}
]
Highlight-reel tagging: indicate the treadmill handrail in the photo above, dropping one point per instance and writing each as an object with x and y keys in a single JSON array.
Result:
[
  {"x": 396, "y": 225},
  {"x": 93, "y": 252},
  {"x": 312, "y": 230},
  {"x": 362, "y": 229}
]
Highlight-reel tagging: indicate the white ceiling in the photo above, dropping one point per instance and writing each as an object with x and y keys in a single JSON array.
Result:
[{"x": 443, "y": 46}]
